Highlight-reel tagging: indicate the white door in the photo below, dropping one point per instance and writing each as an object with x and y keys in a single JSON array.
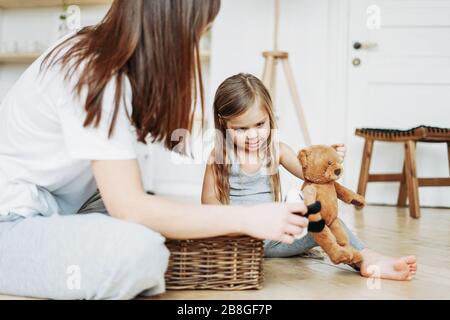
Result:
[{"x": 399, "y": 78}]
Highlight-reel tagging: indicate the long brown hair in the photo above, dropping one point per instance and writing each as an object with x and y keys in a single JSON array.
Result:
[
  {"x": 233, "y": 98},
  {"x": 153, "y": 43}
]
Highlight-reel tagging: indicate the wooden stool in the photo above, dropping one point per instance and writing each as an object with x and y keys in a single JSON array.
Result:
[{"x": 409, "y": 182}]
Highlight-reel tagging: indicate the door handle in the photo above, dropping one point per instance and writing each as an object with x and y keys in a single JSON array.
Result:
[{"x": 365, "y": 45}]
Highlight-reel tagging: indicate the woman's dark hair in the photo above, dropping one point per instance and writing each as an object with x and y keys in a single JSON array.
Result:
[{"x": 153, "y": 43}]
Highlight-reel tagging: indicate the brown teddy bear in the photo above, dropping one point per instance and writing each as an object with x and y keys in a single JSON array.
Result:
[{"x": 322, "y": 167}]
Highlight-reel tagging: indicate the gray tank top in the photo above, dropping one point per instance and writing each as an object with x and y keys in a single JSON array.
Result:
[{"x": 249, "y": 189}]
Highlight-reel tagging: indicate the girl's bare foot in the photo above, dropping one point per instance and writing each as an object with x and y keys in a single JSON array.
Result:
[{"x": 378, "y": 265}]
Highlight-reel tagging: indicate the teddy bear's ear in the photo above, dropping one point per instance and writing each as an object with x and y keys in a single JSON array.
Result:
[{"x": 303, "y": 157}]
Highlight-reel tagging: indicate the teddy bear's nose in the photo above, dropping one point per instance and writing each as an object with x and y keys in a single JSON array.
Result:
[{"x": 337, "y": 172}]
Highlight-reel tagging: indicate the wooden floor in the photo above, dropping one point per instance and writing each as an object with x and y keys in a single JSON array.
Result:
[{"x": 389, "y": 230}]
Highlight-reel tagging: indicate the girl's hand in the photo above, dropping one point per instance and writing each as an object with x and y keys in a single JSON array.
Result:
[
  {"x": 341, "y": 150},
  {"x": 275, "y": 221}
]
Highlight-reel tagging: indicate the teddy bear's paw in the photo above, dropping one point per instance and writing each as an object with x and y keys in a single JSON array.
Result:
[
  {"x": 341, "y": 255},
  {"x": 343, "y": 242},
  {"x": 357, "y": 257},
  {"x": 359, "y": 202}
]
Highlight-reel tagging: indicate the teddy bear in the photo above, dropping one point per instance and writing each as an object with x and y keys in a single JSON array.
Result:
[{"x": 322, "y": 167}]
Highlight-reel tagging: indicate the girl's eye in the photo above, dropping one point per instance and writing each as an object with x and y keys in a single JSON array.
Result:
[{"x": 260, "y": 124}]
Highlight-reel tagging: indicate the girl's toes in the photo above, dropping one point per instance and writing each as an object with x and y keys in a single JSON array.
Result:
[
  {"x": 410, "y": 259},
  {"x": 400, "y": 265}
]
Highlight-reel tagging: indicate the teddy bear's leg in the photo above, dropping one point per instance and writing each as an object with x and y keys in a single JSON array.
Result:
[
  {"x": 328, "y": 243},
  {"x": 342, "y": 240},
  {"x": 339, "y": 233},
  {"x": 357, "y": 256}
]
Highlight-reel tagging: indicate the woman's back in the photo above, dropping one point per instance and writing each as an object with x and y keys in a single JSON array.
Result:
[{"x": 44, "y": 149}]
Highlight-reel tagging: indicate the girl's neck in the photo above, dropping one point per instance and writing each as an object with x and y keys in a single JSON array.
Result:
[{"x": 247, "y": 158}]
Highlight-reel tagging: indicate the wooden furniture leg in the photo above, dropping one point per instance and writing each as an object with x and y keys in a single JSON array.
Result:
[
  {"x": 411, "y": 179},
  {"x": 296, "y": 100},
  {"x": 403, "y": 192},
  {"x": 448, "y": 156},
  {"x": 269, "y": 80},
  {"x": 269, "y": 73},
  {"x": 365, "y": 167}
]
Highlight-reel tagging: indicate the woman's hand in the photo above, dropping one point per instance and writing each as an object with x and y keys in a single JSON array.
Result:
[
  {"x": 275, "y": 221},
  {"x": 341, "y": 150}
]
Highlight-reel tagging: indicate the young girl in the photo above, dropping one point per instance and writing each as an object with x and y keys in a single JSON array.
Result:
[{"x": 243, "y": 168}]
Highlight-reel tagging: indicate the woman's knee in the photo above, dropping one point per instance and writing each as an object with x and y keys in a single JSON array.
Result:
[
  {"x": 139, "y": 261},
  {"x": 142, "y": 248}
]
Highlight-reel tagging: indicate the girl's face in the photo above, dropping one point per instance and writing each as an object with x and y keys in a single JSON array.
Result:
[{"x": 250, "y": 130}]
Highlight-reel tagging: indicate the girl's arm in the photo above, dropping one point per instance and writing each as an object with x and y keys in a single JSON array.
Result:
[
  {"x": 209, "y": 195},
  {"x": 289, "y": 160},
  {"x": 121, "y": 188},
  {"x": 341, "y": 150}
]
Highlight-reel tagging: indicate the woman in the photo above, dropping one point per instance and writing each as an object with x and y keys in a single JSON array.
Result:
[{"x": 68, "y": 127}]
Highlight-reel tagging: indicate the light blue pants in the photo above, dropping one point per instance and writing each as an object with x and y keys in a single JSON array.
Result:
[
  {"x": 273, "y": 249},
  {"x": 90, "y": 256}
]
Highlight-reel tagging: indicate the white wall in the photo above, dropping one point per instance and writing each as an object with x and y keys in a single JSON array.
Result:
[
  {"x": 315, "y": 32},
  {"x": 244, "y": 29},
  {"x": 25, "y": 25}
]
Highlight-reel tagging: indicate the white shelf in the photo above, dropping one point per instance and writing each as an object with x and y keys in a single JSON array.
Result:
[
  {"x": 14, "y": 4},
  {"x": 28, "y": 58},
  {"x": 18, "y": 58}
]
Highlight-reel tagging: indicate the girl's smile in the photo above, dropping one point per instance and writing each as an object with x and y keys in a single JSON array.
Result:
[
  {"x": 253, "y": 146},
  {"x": 250, "y": 130}
]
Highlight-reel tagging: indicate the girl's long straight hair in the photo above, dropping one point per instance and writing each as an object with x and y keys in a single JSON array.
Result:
[
  {"x": 233, "y": 98},
  {"x": 153, "y": 43}
]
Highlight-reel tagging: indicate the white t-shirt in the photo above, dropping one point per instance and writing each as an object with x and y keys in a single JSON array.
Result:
[{"x": 45, "y": 152}]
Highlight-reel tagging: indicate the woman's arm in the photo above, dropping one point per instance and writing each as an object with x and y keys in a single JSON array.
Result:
[{"x": 120, "y": 185}]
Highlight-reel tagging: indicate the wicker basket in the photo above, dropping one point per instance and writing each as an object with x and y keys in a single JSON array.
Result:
[{"x": 222, "y": 263}]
